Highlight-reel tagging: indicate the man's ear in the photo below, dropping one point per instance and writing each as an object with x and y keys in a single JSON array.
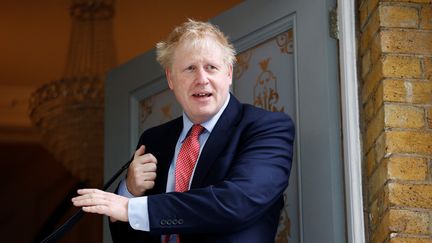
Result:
[
  {"x": 169, "y": 78},
  {"x": 230, "y": 72}
]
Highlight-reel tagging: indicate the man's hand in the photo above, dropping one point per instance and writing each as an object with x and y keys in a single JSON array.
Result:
[
  {"x": 97, "y": 201},
  {"x": 141, "y": 173}
]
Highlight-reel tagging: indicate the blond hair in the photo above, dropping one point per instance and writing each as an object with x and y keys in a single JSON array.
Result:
[{"x": 191, "y": 32}]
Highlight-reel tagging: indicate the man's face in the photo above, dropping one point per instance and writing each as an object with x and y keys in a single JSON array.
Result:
[{"x": 200, "y": 79}]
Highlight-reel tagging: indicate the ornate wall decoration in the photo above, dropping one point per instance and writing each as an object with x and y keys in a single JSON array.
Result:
[
  {"x": 242, "y": 64},
  {"x": 284, "y": 229},
  {"x": 285, "y": 42},
  {"x": 145, "y": 110},
  {"x": 266, "y": 94},
  {"x": 167, "y": 113},
  {"x": 157, "y": 109}
]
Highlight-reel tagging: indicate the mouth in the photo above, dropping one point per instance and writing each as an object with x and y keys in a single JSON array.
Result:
[{"x": 202, "y": 94}]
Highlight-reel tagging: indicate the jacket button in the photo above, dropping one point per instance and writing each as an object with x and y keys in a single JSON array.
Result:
[
  {"x": 180, "y": 221},
  {"x": 163, "y": 222},
  {"x": 169, "y": 222},
  {"x": 175, "y": 221}
]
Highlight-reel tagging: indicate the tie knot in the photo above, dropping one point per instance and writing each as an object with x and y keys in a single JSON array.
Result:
[{"x": 196, "y": 130}]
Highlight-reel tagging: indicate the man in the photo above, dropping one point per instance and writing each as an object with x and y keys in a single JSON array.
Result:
[{"x": 216, "y": 174}]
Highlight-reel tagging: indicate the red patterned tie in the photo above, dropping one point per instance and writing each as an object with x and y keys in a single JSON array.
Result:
[
  {"x": 187, "y": 158},
  {"x": 185, "y": 164}
]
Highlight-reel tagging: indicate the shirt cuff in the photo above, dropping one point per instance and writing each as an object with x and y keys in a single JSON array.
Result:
[
  {"x": 138, "y": 213},
  {"x": 123, "y": 191}
]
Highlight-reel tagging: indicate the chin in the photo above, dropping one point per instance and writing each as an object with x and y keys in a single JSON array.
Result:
[{"x": 203, "y": 117}]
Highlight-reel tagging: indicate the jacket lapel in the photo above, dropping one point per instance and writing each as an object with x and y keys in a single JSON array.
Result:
[
  {"x": 165, "y": 152},
  {"x": 217, "y": 140}
]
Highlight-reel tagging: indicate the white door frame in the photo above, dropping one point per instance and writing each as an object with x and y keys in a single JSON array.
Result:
[{"x": 350, "y": 121}]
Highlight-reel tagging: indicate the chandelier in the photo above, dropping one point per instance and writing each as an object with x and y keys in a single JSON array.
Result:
[{"x": 69, "y": 112}]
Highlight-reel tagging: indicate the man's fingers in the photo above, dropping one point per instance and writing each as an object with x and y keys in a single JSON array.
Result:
[
  {"x": 89, "y": 190},
  {"x": 99, "y": 209},
  {"x": 145, "y": 172},
  {"x": 142, "y": 169},
  {"x": 149, "y": 167},
  {"x": 145, "y": 159},
  {"x": 140, "y": 151},
  {"x": 89, "y": 201},
  {"x": 101, "y": 202},
  {"x": 149, "y": 184},
  {"x": 91, "y": 197},
  {"x": 150, "y": 176}
]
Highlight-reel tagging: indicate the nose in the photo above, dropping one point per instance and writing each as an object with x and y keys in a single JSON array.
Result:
[{"x": 201, "y": 76}]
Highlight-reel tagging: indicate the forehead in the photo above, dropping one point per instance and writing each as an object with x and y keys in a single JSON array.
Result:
[{"x": 207, "y": 48}]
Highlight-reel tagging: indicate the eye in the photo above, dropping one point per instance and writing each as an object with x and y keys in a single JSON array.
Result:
[
  {"x": 211, "y": 68},
  {"x": 190, "y": 68}
]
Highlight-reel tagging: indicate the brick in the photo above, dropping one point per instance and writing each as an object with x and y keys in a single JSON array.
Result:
[
  {"x": 377, "y": 209},
  {"x": 363, "y": 13},
  {"x": 383, "y": 231},
  {"x": 374, "y": 129},
  {"x": 381, "y": 149},
  {"x": 409, "y": 1},
  {"x": 428, "y": 68},
  {"x": 378, "y": 179},
  {"x": 410, "y": 195},
  {"x": 395, "y": 90},
  {"x": 370, "y": 162},
  {"x": 373, "y": 215},
  {"x": 371, "y": 81},
  {"x": 368, "y": 111},
  {"x": 426, "y": 17},
  {"x": 398, "y": 239},
  {"x": 401, "y": 67},
  {"x": 409, "y": 222},
  {"x": 416, "y": 92},
  {"x": 365, "y": 10},
  {"x": 397, "y": 224},
  {"x": 403, "y": 41},
  {"x": 402, "y": 168},
  {"x": 399, "y": 16},
  {"x": 378, "y": 98},
  {"x": 366, "y": 64},
  {"x": 376, "y": 49},
  {"x": 369, "y": 31},
  {"x": 407, "y": 168},
  {"x": 409, "y": 142},
  {"x": 401, "y": 116},
  {"x": 373, "y": 5},
  {"x": 429, "y": 117}
]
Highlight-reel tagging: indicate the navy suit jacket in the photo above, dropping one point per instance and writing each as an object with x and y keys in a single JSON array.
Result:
[{"x": 236, "y": 191}]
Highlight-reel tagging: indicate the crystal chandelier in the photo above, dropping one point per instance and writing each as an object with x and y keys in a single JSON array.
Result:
[{"x": 69, "y": 112}]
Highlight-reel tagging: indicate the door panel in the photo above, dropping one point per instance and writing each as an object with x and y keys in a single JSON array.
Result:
[
  {"x": 286, "y": 62},
  {"x": 264, "y": 76}
]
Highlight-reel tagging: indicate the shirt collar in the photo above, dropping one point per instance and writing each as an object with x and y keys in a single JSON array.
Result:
[{"x": 208, "y": 125}]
